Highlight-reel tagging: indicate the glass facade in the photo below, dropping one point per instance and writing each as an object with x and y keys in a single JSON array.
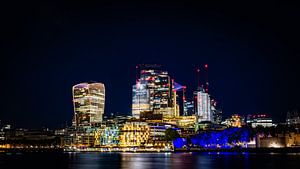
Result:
[
  {"x": 107, "y": 136},
  {"x": 203, "y": 107},
  {"x": 88, "y": 101},
  {"x": 158, "y": 84},
  {"x": 140, "y": 99},
  {"x": 152, "y": 92}
]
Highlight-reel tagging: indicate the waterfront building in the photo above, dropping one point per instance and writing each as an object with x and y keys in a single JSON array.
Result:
[
  {"x": 134, "y": 134},
  {"x": 263, "y": 120},
  {"x": 88, "y": 101},
  {"x": 24, "y": 138},
  {"x": 279, "y": 141},
  {"x": 107, "y": 135},
  {"x": 157, "y": 134},
  {"x": 85, "y": 137},
  {"x": 70, "y": 136}
]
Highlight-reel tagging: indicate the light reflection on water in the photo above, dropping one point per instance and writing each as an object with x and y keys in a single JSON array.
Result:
[{"x": 213, "y": 160}]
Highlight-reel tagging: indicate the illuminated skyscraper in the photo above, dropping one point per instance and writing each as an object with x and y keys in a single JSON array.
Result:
[
  {"x": 88, "y": 101},
  {"x": 152, "y": 92},
  {"x": 140, "y": 99},
  {"x": 204, "y": 112},
  {"x": 158, "y": 84},
  {"x": 189, "y": 106},
  {"x": 216, "y": 113}
]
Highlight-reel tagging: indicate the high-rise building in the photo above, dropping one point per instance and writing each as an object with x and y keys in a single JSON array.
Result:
[
  {"x": 158, "y": 84},
  {"x": 140, "y": 99},
  {"x": 88, "y": 101},
  {"x": 204, "y": 112},
  {"x": 152, "y": 92},
  {"x": 189, "y": 106},
  {"x": 216, "y": 113},
  {"x": 179, "y": 98}
]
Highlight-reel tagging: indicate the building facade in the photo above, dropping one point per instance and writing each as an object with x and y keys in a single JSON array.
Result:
[
  {"x": 153, "y": 92},
  {"x": 107, "y": 135},
  {"x": 204, "y": 112},
  {"x": 140, "y": 99},
  {"x": 89, "y": 102},
  {"x": 216, "y": 113},
  {"x": 134, "y": 134},
  {"x": 263, "y": 120}
]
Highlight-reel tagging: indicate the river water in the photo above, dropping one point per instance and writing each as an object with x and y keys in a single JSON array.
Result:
[{"x": 95, "y": 160}]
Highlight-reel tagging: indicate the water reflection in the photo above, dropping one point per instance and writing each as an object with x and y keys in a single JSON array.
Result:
[
  {"x": 149, "y": 160},
  {"x": 145, "y": 161}
]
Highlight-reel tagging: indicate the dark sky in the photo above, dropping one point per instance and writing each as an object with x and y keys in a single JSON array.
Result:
[{"x": 46, "y": 48}]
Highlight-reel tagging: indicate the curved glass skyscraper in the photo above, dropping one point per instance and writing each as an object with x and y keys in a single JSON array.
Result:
[{"x": 88, "y": 101}]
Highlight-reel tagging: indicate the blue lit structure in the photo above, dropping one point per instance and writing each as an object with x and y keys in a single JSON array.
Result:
[
  {"x": 179, "y": 142},
  {"x": 221, "y": 139}
]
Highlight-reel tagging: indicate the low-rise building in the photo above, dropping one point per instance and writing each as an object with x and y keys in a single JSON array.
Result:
[
  {"x": 134, "y": 134},
  {"x": 234, "y": 121},
  {"x": 107, "y": 136},
  {"x": 263, "y": 120},
  {"x": 279, "y": 141}
]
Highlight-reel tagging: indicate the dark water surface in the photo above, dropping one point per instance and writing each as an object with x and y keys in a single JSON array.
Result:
[{"x": 149, "y": 160}]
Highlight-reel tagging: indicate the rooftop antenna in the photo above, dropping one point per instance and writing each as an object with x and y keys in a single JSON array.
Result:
[
  {"x": 206, "y": 77},
  {"x": 198, "y": 77}
]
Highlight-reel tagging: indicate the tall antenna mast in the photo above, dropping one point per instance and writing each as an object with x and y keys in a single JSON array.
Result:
[
  {"x": 198, "y": 77},
  {"x": 206, "y": 77}
]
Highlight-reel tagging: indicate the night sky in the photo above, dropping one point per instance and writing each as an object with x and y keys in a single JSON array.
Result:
[{"x": 252, "y": 51}]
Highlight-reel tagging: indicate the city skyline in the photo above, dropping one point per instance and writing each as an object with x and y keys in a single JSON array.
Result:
[
  {"x": 200, "y": 92},
  {"x": 48, "y": 48}
]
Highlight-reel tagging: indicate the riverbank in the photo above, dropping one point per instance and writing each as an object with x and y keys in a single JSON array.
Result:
[
  {"x": 248, "y": 150},
  {"x": 233, "y": 150}
]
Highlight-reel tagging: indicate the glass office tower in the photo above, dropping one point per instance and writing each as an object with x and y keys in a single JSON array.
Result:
[
  {"x": 152, "y": 92},
  {"x": 88, "y": 101},
  {"x": 203, "y": 107}
]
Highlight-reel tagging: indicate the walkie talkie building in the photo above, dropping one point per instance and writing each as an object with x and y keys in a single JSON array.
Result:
[{"x": 88, "y": 101}]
